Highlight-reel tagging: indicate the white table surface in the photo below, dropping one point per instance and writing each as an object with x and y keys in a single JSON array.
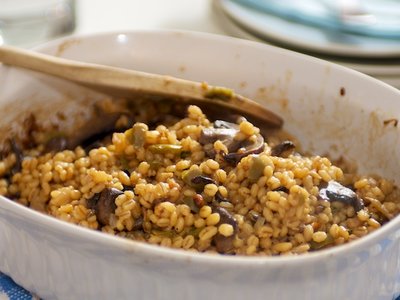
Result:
[
  {"x": 196, "y": 15},
  {"x": 114, "y": 15}
]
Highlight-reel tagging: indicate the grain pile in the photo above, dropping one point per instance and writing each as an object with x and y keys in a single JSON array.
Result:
[{"x": 202, "y": 186}]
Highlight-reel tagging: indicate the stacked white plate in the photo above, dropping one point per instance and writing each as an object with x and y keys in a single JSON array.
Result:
[{"x": 378, "y": 57}]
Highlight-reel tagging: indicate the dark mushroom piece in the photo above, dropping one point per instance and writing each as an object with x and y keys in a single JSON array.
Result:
[
  {"x": 222, "y": 130},
  {"x": 281, "y": 189},
  {"x": 224, "y": 124},
  {"x": 222, "y": 243},
  {"x": 138, "y": 225},
  {"x": 283, "y": 149},
  {"x": 334, "y": 191},
  {"x": 188, "y": 175},
  {"x": 211, "y": 135},
  {"x": 225, "y": 132},
  {"x": 202, "y": 180},
  {"x": 220, "y": 198},
  {"x": 196, "y": 179},
  {"x": 253, "y": 216},
  {"x": 244, "y": 149},
  {"x": 128, "y": 187},
  {"x": 159, "y": 201},
  {"x": 104, "y": 205}
]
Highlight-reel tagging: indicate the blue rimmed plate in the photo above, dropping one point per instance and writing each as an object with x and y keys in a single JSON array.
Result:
[{"x": 316, "y": 39}]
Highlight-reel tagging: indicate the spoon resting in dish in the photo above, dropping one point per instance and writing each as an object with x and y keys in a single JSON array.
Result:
[{"x": 130, "y": 83}]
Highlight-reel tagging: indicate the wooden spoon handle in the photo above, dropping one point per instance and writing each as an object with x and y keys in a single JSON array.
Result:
[
  {"x": 126, "y": 83},
  {"x": 93, "y": 74}
]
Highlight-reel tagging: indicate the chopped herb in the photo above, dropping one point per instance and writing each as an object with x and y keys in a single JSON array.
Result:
[
  {"x": 328, "y": 241},
  {"x": 162, "y": 233},
  {"x": 257, "y": 169},
  {"x": 194, "y": 231},
  {"x": 185, "y": 154},
  {"x": 165, "y": 148},
  {"x": 189, "y": 201},
  {"x": 188, "y": 175},
  {"x": 219, "y": 93},
  {"x": 136, "y": 135}
]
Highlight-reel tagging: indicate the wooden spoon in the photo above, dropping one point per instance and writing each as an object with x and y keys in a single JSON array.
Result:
[{"x": 129, "y": 83}]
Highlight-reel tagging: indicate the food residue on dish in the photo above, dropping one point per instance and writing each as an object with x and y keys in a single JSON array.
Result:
[{"x": 393, "y": 122}]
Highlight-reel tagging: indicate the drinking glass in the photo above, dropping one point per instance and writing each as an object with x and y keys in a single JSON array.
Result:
[{"x": 28, "y": 22}]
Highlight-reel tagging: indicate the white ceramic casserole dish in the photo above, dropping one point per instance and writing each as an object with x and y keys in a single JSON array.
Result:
[{"x": 330, "y": 109}]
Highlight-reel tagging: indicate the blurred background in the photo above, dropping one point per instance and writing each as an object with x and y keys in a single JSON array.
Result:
[{"x": 360, "y": 34}]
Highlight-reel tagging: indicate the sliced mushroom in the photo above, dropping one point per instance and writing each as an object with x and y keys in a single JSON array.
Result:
[
  {"x": 104, "y": 205},
  {"x": 224, "y": 124},
  {"x": 222, "y": 243},
  {"x": 202, "y": 180},
  {"x": 283, "y": 149},
  {"x": 196, "y": 180},
  {"x": 158, "y": 201},
  {"x": 253, "y": 216},
  {"x": 138, "y": 224},
  {"x": 226, "y": 132},
  {"x": 223, "y": 131},
  {"x": 244, "y": 149},
  {"x": 211, "y": 135},
  {"x": 220, "y": 198},
  {"x": 281, "y": 189},
  {"x": 334, "y": 191},
  {"x": 188, "y": 175}
]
